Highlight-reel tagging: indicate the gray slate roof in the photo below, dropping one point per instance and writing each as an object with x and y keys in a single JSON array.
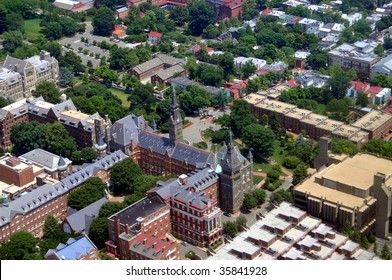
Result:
[
  {"x": 127, "y": 129},
  {"x": 191, "y": 155},
  {"x": 169, "y": 72},
  {"x": 30, "y": 200},
  {"x": 10, "y": 63},
  {"x": 199, "y": 180},
  {"x": 155, "y": 142},
  {"x": 81, "y": 220},
  {"x": 44, "y": 158}
]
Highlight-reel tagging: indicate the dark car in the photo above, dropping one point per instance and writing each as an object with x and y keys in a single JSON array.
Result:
[{"x": 227, "y": 214}]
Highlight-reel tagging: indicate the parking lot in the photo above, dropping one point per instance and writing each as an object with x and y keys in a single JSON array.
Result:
[{"x": 75, "y": 43}]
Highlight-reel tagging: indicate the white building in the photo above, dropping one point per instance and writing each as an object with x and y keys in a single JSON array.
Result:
[{"x": 240, "y": 61}]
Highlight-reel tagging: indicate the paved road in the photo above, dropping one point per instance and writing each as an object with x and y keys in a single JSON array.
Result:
[{"x": 185, "y": 249}]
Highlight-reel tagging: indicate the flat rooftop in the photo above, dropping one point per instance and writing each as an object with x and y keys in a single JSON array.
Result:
[
  {"x": 142, "y": 208},
  {"x": 314, "y": 119},
  {"x": 75, "y": 114},
  {"x": 254, "y": 98},
  {"x": 329, "y": 124},
  {"x": 359, "y": 170},
  {"x": 298, "y": 113},
  {"x": 372, "y": 120},
  {"x": 359, "y": 136},
  {"x": 330, "y": 195},
  {"x": 276, "y": 106},
  {"x": 346, "y": 130}
]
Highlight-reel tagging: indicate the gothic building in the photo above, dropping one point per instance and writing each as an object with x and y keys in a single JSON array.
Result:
[
  {"x": 236, "y": 177},
  {"x": 159, "y": 155}
]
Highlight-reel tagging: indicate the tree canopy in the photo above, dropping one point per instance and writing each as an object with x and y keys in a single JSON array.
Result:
[
  {"x": 201, "y": 14},
  {"x": 259, "y": 138},
  {"x": 89, "y": 192},
  {"x": 124, "y": 176},
  {"x": 103, "y": 22}
]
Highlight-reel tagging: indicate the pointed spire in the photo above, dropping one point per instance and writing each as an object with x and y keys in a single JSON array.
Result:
[
  {"x": 250, "y": 155},
  {"x": 231, "y": 144},
  {"x": 174, "y": 103}
]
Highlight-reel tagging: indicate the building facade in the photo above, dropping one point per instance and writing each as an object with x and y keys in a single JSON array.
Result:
[{"x": 23, "y": 76}]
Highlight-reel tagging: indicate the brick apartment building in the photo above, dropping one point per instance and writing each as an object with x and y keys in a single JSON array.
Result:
[
  {"x": 316, "y": 126},
  {"x": 150, "y": 216},
  {"x": 79, "y": 125},
  {"x": 19, "y": 78},
  {"x": 29, "y": 207},
  {"x": 194, "y": 200}
]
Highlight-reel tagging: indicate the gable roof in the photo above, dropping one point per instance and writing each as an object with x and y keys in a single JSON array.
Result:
[
  {"x": 155, "y": 34},
  {"x": 80, "y": 221},
  {"x": 73, "y": 249}
]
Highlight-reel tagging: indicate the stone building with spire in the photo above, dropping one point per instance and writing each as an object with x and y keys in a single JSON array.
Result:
[{"x": 236, "y": 177}]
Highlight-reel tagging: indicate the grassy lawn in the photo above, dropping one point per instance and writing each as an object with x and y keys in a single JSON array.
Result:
[
  {"x": 257, "y": 179},
  {"x": 122, "y": 95},
  {"x": 32, "y": 28},
  {"x": 262, "y": 165}
]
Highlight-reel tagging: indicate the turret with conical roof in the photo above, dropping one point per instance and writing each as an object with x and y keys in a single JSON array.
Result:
[{"x": 175, "y": 122}]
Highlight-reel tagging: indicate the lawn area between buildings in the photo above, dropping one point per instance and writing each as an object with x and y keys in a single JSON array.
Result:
[
  {"x": 32, "y": 28},
  {"x": 122, "y": 95}
]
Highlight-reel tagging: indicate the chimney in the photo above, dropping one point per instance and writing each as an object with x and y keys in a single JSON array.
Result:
[
  {"x": 42, "y": 55},
  {"x": 16, "y": 67}
]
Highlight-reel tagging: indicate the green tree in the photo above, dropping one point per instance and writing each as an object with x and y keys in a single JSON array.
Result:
[
  {"x": 240, "y": 116},
  {"x": 53, "y": 48},
  {"x": 124, "y": 175},
  {"x": 15, "y": 22},
  {"x": 52, "y": 31},
  {"x": 179, "y": 15},
  {"x": 99, "y": 232},
  {"x": 12, "y": 40},
  {"x": 343, "y": 146},
  {"x": 19, "y": 245},
  {"x": 28, "y": 136},
  {"x": 385, "y": 253},
  {"x": 300, "y": 173},
  {"x": 280, "y": 196},
  {"x": 109, "y": 208},
  {"x": 201, "y": 14},
  {"x": 387, "y": 42},
  {"x": 103, "y": 22},
  {"x": 66, "y": 77},
  {"x": 365, "y": 243},
  {"x": 259, "y": 138},
  {"x": 299, "y": 11},
  {"x": 379, "y": 50},
  {"x": 230, "y": 228},
  {"x": 88, "y": 154},
  {"x": 72, "y": 61},
  {"x": 59, "y": 141},
  {"x": 317, "y": 59},
  {"x": 49, "y": 91},
  {"x": 250, "y": 201},
  {"x": 248, "y": 69},
  {"x": 291, "y": 162},
  {"x": 89, "y": 192},
  {"x": 3, "y": 102},
  {"x": 3, "y": 20},
  {"x": 68, "y": 26},
  {"x": 362, "y": 99},
  {"x": 108, "y": 76},
  {"x": 226, "y": 61},
  {"x": 241, "y": 221},
  {"x": 52, "y": 230}
]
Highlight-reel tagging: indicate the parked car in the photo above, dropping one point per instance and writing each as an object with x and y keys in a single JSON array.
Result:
[
  {"x": 227, "y": 214},
  {"x": 184, "y": 243}
]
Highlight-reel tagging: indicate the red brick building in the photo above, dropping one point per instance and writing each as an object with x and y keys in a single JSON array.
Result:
[
  {"x": 148, "y": 247},
  {"x": 148, "y": 216},
  {"x": 231, "y": 9},
  {"x": 195, "y": 214},
  {"x": 121, "y": 13}
]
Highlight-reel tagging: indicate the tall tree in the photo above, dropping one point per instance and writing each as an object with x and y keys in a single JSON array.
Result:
[
  {"x": 12, "y": 40},
  {"x": 99, "y": 232},
  {"x": 179, "y": 15},
  {"x": 52, "y": 31},
  {"x": 19, "y": 245},
  {"x": 385, "y": 252},
  {"x": 49, "y": 91},
  {"x": 240, "y": 116},
  {"x": 259, "y": 138},
  {"x": 59, "y": 141},
  {"x": 362, "y": 99},
  {"x": 300, "y": 173},
  {"x": 52, "y": 230},
  {"x": 89, "y": 192},
  {"x": 66, "y": 77},
  {"x": 15, "y": 22},
  {"x": 28, "y": 136},
  {"x": 124, "y": 176},
  {"x": 201, "y": 14},
  {"x": 103, "y": 22}
]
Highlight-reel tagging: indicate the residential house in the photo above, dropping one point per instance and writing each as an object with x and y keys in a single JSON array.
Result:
[
  {"x": 310, "y": 25},
  {"x": 240, "y": 61},
  {"x": 312, "y": 79},
  {"x": 384, "y": 66},
  {"x": 154, "y": 37},
  {"x": 121, "y": 13}
]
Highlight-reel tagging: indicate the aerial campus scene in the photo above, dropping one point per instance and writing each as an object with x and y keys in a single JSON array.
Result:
[{"x": 195, "y": 130}]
